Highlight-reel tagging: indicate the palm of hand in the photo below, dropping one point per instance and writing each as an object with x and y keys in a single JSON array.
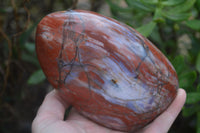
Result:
[
  {"x": 75, "y": 123},
  {"x": 51, "y": 113}
]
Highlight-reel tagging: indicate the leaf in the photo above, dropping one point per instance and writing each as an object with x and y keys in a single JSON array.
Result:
[
  {"x": 158, "y": 17},
  {"x": 30, "y": 58},
  {"x": 2, "y": 10},
  {"x": 195, "y": 49},
  {"x": 140, "y": 6},
  {"x": 193, "y": 97},
  {"x": 187, "y": 79},
  {"x": 147, "y": 29},
  {"x": 171, "y": 2},
  {"x": 153, "y": 2},
  {"x": 179, "y": 64},
  {"x": 198, "y": 63},
  {"x": 176, "y": 16},
  {"x": 188, "y": 111},
  {"x": 30, "y": 47},
  {"x": 155, "y": 35},
  {"x": 193, "y": 24},
  {"x": 116, "y": 7},
  {"x": 182, "y": 7},
  {"x": 198, "y": 4},
  {"x": 25, "y": 35},
  {"x": 198, "y": 122},
  {"x": 198, "y": 87},
  {"x": 37, "y": 77}
]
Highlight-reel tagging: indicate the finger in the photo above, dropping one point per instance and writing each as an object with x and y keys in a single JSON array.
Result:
[
  {"x": 166, "y": 119},
  {"x": 87, "y": 124},
  {"x": 51, "y": 110},
  {"x": 53, "y": 106},
  {"x": 74, "y": 115}
]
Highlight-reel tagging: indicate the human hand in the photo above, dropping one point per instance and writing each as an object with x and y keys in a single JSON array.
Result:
[{"x": 50, "y": 117}]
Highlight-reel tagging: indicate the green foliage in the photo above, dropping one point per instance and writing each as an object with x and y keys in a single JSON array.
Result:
[
  {"x": 198, "y": 63},
  {"x": 179, "y": 64},
  {"x": 182, "y": 7},
  {"x": 193, "y": 97},
  {"x": 25, "y": 35},
  {"x": 140, "y": 5},
  {"x": 192, "y": 104},
  {"x": 191, "y": 110},
  {"x": 193, "y": 24},
  {"x": 29, "y": 55},
  {"x": 187, "y": 79},
  {"x": 146, "y": 29},
  {"x": 172, "y": 2},
  {"x": 198, "y": 122},
  {"x": 166, "y": 22},
  {"x": 37, "y": 77},
  {"x": 162, "y": 10},
  {"x": 176, "y": 16},
  {"x": 198, "y": 4}
]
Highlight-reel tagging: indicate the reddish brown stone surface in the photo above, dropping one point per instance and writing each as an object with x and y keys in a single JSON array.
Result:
[{"x": 105, "y": 69}]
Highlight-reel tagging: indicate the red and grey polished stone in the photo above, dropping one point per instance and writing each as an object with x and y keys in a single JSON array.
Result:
[{"x": 105, "y": 69}]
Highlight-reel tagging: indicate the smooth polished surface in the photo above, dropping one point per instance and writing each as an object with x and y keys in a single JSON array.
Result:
[{"x": 105, "y": 69}]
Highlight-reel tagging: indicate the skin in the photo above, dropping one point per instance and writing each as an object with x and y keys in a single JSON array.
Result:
[{"x": 50, "y": 118}]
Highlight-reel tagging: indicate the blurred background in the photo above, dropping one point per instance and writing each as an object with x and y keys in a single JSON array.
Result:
[{"x": 172, "y": 25}]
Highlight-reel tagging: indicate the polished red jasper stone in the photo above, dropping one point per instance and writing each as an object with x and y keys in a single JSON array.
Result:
[{"x": 107, "y": 70}]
